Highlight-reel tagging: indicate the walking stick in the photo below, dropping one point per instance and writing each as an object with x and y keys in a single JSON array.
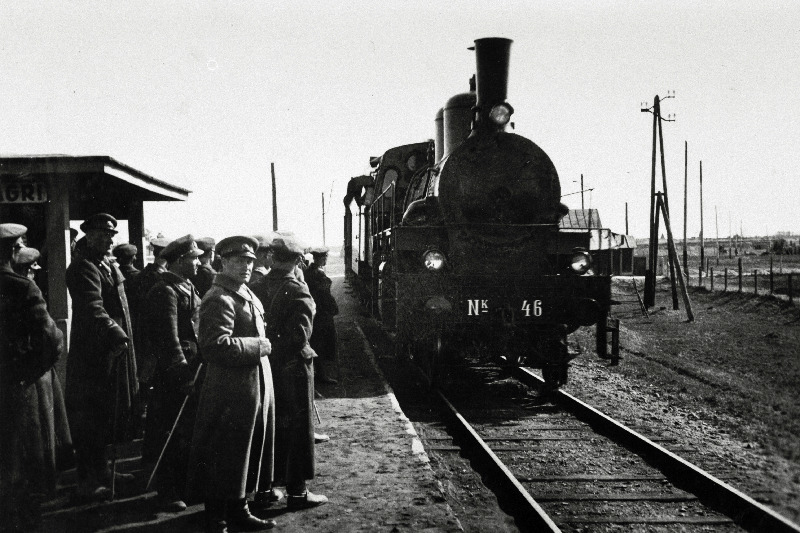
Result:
[
  {"x": 174, "y": 425},
  {"x": 114, "y": 434},
  {"x": 314, "y": 403}
]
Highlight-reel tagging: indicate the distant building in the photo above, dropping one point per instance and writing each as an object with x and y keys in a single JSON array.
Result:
[{"x": 612, "y": 252}]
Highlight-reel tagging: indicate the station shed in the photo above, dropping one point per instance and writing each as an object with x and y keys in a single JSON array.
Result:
[
  {"x": 612, "y": 252},
  {"x": 47, "y": 192}
]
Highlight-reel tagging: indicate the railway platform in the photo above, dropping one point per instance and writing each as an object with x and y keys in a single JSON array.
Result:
[{"x": 374, "y": 469}]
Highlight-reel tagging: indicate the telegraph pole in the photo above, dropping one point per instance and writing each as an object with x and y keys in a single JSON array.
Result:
[
  {"x": 323, "y": 219},
  {"x": 716, "y": 222},
  {"x": 626, "y": 219},
  {"x": 274, "y": 201},
  {"x": 685, "y": 196},
  {"x": 702, "y": 236},
  {"x": 582, "y": 207},
  {"x": 650, "y": 277}
]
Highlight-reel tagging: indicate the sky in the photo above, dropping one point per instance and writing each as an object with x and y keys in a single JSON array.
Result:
[{"x": 207, "y": 94}]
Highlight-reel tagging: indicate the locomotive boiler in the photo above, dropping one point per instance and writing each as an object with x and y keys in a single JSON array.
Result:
[{"x": 456, "y": 241}]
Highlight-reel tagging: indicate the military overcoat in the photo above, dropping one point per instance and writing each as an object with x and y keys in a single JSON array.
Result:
[
  {"x": 235, "y": 427},
  {"x": 173, "y": 327},
  {"x": 139, "y": 289},
  {"x": 35, "y": 438},
  {"x": 100, "y": 321},
  {"x": 323, "y": 337},
  {"x": 290, "y": 316},
  {"x": 204, "y": 279}
]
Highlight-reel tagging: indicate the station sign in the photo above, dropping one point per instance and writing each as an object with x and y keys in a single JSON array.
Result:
[{"x": 22, "y": 192}]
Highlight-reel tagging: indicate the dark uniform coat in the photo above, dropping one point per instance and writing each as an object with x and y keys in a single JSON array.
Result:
[
  {"x": 34, "y": 435},
  {"x": 323, "y": 337},
  {"x": 235, "y": 428},
  {"x": 173, "y": 326},
  {"x": 290, "y": 315},
  {"x": 204, "y": 279},
  {"x": 100, "y": 321},
  {"x": 139, "y": 288},
  {"x": 257, "y": 275}
]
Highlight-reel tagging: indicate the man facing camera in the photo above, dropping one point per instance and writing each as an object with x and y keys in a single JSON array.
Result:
[{"x": 234, "y": 433}]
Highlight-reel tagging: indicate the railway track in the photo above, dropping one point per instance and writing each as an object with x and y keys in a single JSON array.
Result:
[{"x": 565, "y": 466}]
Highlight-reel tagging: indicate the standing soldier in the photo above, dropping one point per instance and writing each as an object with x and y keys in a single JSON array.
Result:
[
  {"x": 125, "y": 254},
  {"x": 234, "y": 433},
  {"x": 35, "y": 439},
  {"x": 25, "y": 262},
  {"x": 172, "y": 326},
  {"x": 290, "y": 315},
  {"x": 101, "y": 388},
  {"x": 205, "y": 273},
  {"x": 323, "y": 337},
  {"x": 139, "y": 288},
  {"x": 263, "y": 261}
]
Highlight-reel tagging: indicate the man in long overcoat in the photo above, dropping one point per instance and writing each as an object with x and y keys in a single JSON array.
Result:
[
  {"x": 35, "y": 441},
  {"x": 205, "y": 272},
  {"x": 174, "y": 306},
  {"x": 101, "y": 388},
  {"x": 290, "y": 315},
  {"x": 138, "y": 288},
  {"x": 234, "y": 432},
  {"x": 323, "y": 336}
]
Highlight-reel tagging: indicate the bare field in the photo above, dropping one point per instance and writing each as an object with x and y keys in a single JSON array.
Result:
[{"x": 727, "y": 383}]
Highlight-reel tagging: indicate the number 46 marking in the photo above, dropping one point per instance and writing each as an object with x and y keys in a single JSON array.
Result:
[{"x": 537, "y": 308}]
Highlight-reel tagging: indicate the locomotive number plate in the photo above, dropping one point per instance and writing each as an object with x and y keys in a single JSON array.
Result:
[{"x": 522, "y": 309}]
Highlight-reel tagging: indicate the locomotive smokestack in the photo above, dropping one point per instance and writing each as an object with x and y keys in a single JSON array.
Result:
[{"x": 491, "y": 61}]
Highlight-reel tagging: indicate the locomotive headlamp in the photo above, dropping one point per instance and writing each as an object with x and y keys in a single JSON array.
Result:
[
  {"x": 581, "y": 262},
  {"x": 434, "y": 260},
  {"x": 501, "y": 114}
]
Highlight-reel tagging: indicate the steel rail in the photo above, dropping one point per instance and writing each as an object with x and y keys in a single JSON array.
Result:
[
  {"x": 526, "y": 511},
  {"x": 715, "y": 493}
]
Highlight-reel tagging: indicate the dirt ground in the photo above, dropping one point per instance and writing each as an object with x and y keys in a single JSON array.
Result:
[{"x": 725, "y": 385}]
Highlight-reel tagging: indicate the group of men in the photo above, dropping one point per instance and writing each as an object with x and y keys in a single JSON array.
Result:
[{"x": 224, "y": 364}]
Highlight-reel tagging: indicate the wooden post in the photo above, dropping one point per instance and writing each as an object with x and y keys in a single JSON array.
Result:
[
  {"x": 771, "y": 274},
  {"x": 685, "y": 197},
  {"x": 323, "y": 219},
  {"x": 672, "y": 258},
  {"x": 626, "y": 219},
  {"x": 716, "y": 222},
  {"x": 650, "y": 278},
  {"x": 740, "y": 274},
  {"x": 725, "y": 287},
  {"x": 274, "y": 200},
  {"x": 702, "y": 237},
  {"x": 700, "y": 275},
  {"x": 674, "y": 254}
]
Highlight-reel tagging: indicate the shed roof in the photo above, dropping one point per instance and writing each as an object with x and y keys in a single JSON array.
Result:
[
  {"x": 26, "y": 165},
  {"x": 93, "y": 182},
  {"x": 581, "y": 219}
]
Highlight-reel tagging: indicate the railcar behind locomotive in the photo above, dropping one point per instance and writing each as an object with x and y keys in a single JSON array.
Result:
[{"x": 456, "y": 241}]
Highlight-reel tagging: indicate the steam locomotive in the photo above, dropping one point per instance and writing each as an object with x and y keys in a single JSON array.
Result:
[{"x": 456, "y": 242}]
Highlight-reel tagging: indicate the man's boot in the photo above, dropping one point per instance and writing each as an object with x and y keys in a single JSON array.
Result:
[{"x": 239, "y": 515}]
